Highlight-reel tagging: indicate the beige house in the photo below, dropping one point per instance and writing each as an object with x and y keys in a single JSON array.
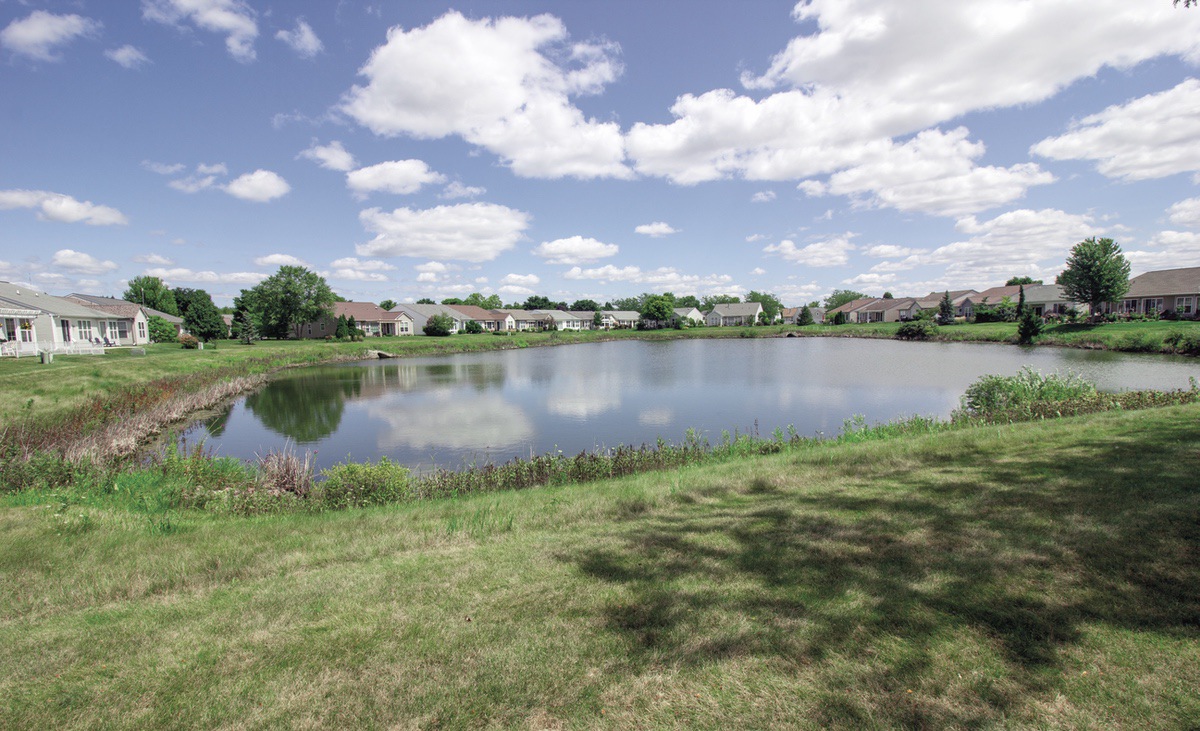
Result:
[
  {"x": 1047, "y": 300},
  {"x": 734, "y": 315},
  {"x": 849, "y": 309},
  {"x": 525, "y": 320},
  {"x": 369, "y": 317},
  {"x": 1166, "y": 290},
  {"x": 617, "y": 319},
  {"x": 35, "y": 321},
  {"x": 489, "y": 320}
]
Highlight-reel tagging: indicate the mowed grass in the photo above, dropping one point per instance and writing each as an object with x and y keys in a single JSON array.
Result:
[{"x": 1038, "y": 575}]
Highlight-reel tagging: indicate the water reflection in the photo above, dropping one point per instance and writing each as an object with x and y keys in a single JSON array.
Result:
[{"x": 452, "y": 410}]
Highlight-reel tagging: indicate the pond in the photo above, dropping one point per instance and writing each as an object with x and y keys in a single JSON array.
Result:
[{"x": 451, "y": 411}]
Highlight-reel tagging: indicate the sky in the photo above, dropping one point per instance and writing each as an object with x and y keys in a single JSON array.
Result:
[{"x": 593, "y": 149}]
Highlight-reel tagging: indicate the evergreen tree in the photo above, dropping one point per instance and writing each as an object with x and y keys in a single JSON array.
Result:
[
  {"x": 387, "y": 304},
  {"x": 806, "y": 317},
  {"x": 1021, "y": 303},
  {"x": 946, "y": 310},
  {"x": 243, "y": 325},
  {"x": 352, "y": 328},
  {"x": 342, "y": 331},
  {"x": 1029, "y": 327}
]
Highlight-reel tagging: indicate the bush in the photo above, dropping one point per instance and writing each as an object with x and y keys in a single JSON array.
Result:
[
  {"x": 362, "y": 485},
  {"x": 916, "y": 330},
  {"x": 995, "y": 393},
  {"x": 1138, "y": 342},
  {"x": 1184, "y": 343},
  {"x": 161, "y": 331},
  {"x": 1029, "y": 327},
  {"x": 472, "y": 327},
  {"x": 189, "y": 342},
  {"x": 439, "y": 326},
  {"x": 839, "y": 318}
]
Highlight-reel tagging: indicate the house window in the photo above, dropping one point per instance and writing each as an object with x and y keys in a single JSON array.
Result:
[
  {"x": 1154, "y": 304},
  {"x": 1129, "y": 306},
  {"x": 122, "y": 329},
  {"x": 85, "y": 329},
  {"x": 141, "y": 330},
  {"x": 112, "y": 330},
  {"x": 1183, "y": 305}
]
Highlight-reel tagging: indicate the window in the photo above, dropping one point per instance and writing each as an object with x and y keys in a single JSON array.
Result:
[
  {"x": 1129, "y": 306},
  {"x": 1183, "y": 305},
  {"x": 1154, "y": 304},
  {"x": 122, "y": 329},
  {"x": 112, "y": 330},
  {"x": 85, "y": 329},
  {"x": 141, "y": 330}
]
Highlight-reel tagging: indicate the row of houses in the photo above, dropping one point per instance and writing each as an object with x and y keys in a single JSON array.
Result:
[
  {"x": 33, "y": 322},
  {"x": 1168, "y": 291}
]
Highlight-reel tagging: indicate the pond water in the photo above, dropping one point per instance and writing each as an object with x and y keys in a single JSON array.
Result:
[{"x": 450, "y": 411}]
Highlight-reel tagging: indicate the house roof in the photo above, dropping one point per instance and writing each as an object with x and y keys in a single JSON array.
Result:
[
  {"x": 478, "y": 314},
  {"x": 621, "y": 314},
  {"x": 428, "y": 311},
  {"x": 787, "y": 312},
  {"x": 95, "y": 300},
  {"x": 851, "y": 306},
  {"x": 536, "y": 315},
  {"x": 996, "y": 294},
  {"x": 1165, "y": 281},
  {"x": 1043, "y": 293},
  {"x": 558, "y": 315},
  {"x": 588, "y": 315},
  {"x": 900, "y": 303},
  {"x": 687, "y": 311},
  {"x": 740, "y": 309},
  {"x": 124, "y": 310},
  {"x": 24, "y": 297},
  {"x": 364, "y": 312}
]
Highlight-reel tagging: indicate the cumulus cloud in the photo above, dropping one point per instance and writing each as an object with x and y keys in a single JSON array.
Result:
[
  {"x": 1166, "y": 250},
  {"x": 665, "y": 278},
  {"x": 428, "y": 277},
  {"x": 163, "y": 168},
  {"x": 758, "y": 271},
  {"x": 432, "y": 267},
  {"x": 153, "y": 259},
  {"x": 259, "y": 186},
  {"x": 574, "y": 250},
  {"x": 362, "y": 265},
  {"x": 40, "y": 34},
  {"x": 180, "y": 274},
  {"x": 656, "y": 230},
  {"x": 352, "y": 274},
  {"x": 204, "y": 177},
  {"x": 331, "y": 157},
  {"x": 503, "y": 84},
  {"x": 1150, "y": 137},
  {"x": 58, "y": 207},
  {"x": 763, "y": 196},
  {"x": 862, "y": 76},
  {"x": 78, "y": 262},
  {"x": 521, "y": 280},
  {"x": 468, "y": 231},
  {"x": 933, "y": 172},
  {"x": 233, "y": 18},
  {"x": 830, "y": 252},
  {"x": 127, "y": 56},
  {"x": 458, "y": 190},
  {"x": 398, "y": 176},
  {"x": 280, "y": 260},
  {"x": 1186, "y": 213},
  {"x": 889, "y": 251},
  {"x": 302, "y": 39}
]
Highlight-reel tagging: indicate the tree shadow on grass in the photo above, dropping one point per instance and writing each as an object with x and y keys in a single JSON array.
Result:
[{"x": 959, "y": 553}]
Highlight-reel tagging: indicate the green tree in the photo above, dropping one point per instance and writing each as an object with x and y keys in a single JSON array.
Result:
[
  {"x": 472, "y": 327},
  {"x": 184, "y": 297},
  {"x": 1097, "y": 272},
  {"x": 341, "y": 331},
  {"x": 839, "y": 318},
  {"x": 1021, "y": 303},
  {"x": 712, "y": 300},
  {"x": 840, "y": 297},
  {"x": 946, "y": 310},
  {"x": 656, "y": 310},
  {"x": 1029, "y": 327},
  {"x": 283, "y": 302},
  {"x": 353, "y": 328},
  {"x": 629, "y": 304},
  {"x": 426, "y": 301},
  {"x": 491, "y": 302},
  {"x": 584, "y": 305},
  {"x": 161, "y": 331},
  {"x": 202, "y": 318},
  {"x": 538, "y": 302},
  {"x": 151, "y": 292},
  {"x": 387, "y": 304},
  {"x": 887, "y": 296},
  {"x": 1014, "y": 281},
  {"x": 243, "y": 328},
  {"x": 453, "y": 301},
  {"x": 597, "y": 319},
  {"x": 687, "y": 300},
  {"x": 770, "y": 303},
  {"x": 806, "y": 317},
  {"x": 439, "y": 326}
]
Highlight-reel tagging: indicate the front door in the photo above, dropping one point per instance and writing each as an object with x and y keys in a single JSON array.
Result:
[{"x": 66, "y": 331}]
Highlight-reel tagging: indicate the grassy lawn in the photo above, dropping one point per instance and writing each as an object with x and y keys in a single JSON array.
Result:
[{"x": 1036, "y": 575}]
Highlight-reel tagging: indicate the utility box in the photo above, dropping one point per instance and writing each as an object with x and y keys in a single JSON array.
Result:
[{"x": 46, "y": 356}]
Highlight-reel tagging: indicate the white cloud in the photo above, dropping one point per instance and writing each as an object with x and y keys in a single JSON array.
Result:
[
  {"x": 280, "y": 260},
  {"x": 656, "y": 230},
  {"x": 398, "y": 176},
  {"x": 889, "y": 251},
  {"x": 503, "y": 84},
  {"x": 1167, "y": 250},
  {"x": 763, "y": 196},
  {"x": 468, "y": 231},
  {"x": 1150, "y": 137},
  {"x": 127, "y": 56},
  {"x": 302, "y": 39},
  {"x": 58, "y": 207},
  {"x": 331, "y": 157},
  {"x": 515, "y": 290},
  {"x": 830, "y": 252},
  {"x": 574, "y": 250},
  {"x": 1186, "y": 213},
  {"x": 78, "y": 262},
  {"x": 428, "y": 277},
  {"x": 233, "y": 18},
  {"x": 664, "y": 278},
  {"x": 934, "y": 172},
  {"x": 259, "y": 186},
  {"x": 163, "y": 168},
  {"x": 193, "y": 183},
  {"x": 862, "y": 74},
  {"x": 177, "y": 275},
  {"x": 351, "y": 274},
  {"x": 757, "y": 271},
  {"x": 432, "y": 267},
  {"x": 39, "y": 34},
  {"x": 203, "y": 178},
  {"x": 362, "y": 265},
  {"x": 521, "y": 280},
  {"x": 153, "y": 259},
  {"x": 213, "y": 169},
  {"x": 458, "y": 190},
  {"x": 870, "y": 279}
]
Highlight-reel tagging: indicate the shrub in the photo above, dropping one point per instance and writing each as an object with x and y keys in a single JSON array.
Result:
[
  {"x": 916, "y": 330},
  {"x": 1138, "y": 342},
  {"x": 284, "y": 472},
  {"x": 806, "y": 317},
  {"x": 189, "y": 342},
  {"x": 360, "y": 485},
  {"x": 995, "y": 393},
  {"x": 839, "y": 318},
  {"x": 1184, "y": 343},
  {"x": 439, "y": 326},
  {"x": 472, "y": 327},
  {"x": 161, "y": 331},
  {"x": 1029, "y": 327}
]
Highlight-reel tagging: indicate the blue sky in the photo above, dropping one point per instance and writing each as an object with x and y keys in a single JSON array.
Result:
[{"x": 579, "y": 149}]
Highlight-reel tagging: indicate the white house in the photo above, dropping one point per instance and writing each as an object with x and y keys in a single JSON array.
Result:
[
  {"x": 60, "y": 325},
  {"x": 734, "y": 315}
]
